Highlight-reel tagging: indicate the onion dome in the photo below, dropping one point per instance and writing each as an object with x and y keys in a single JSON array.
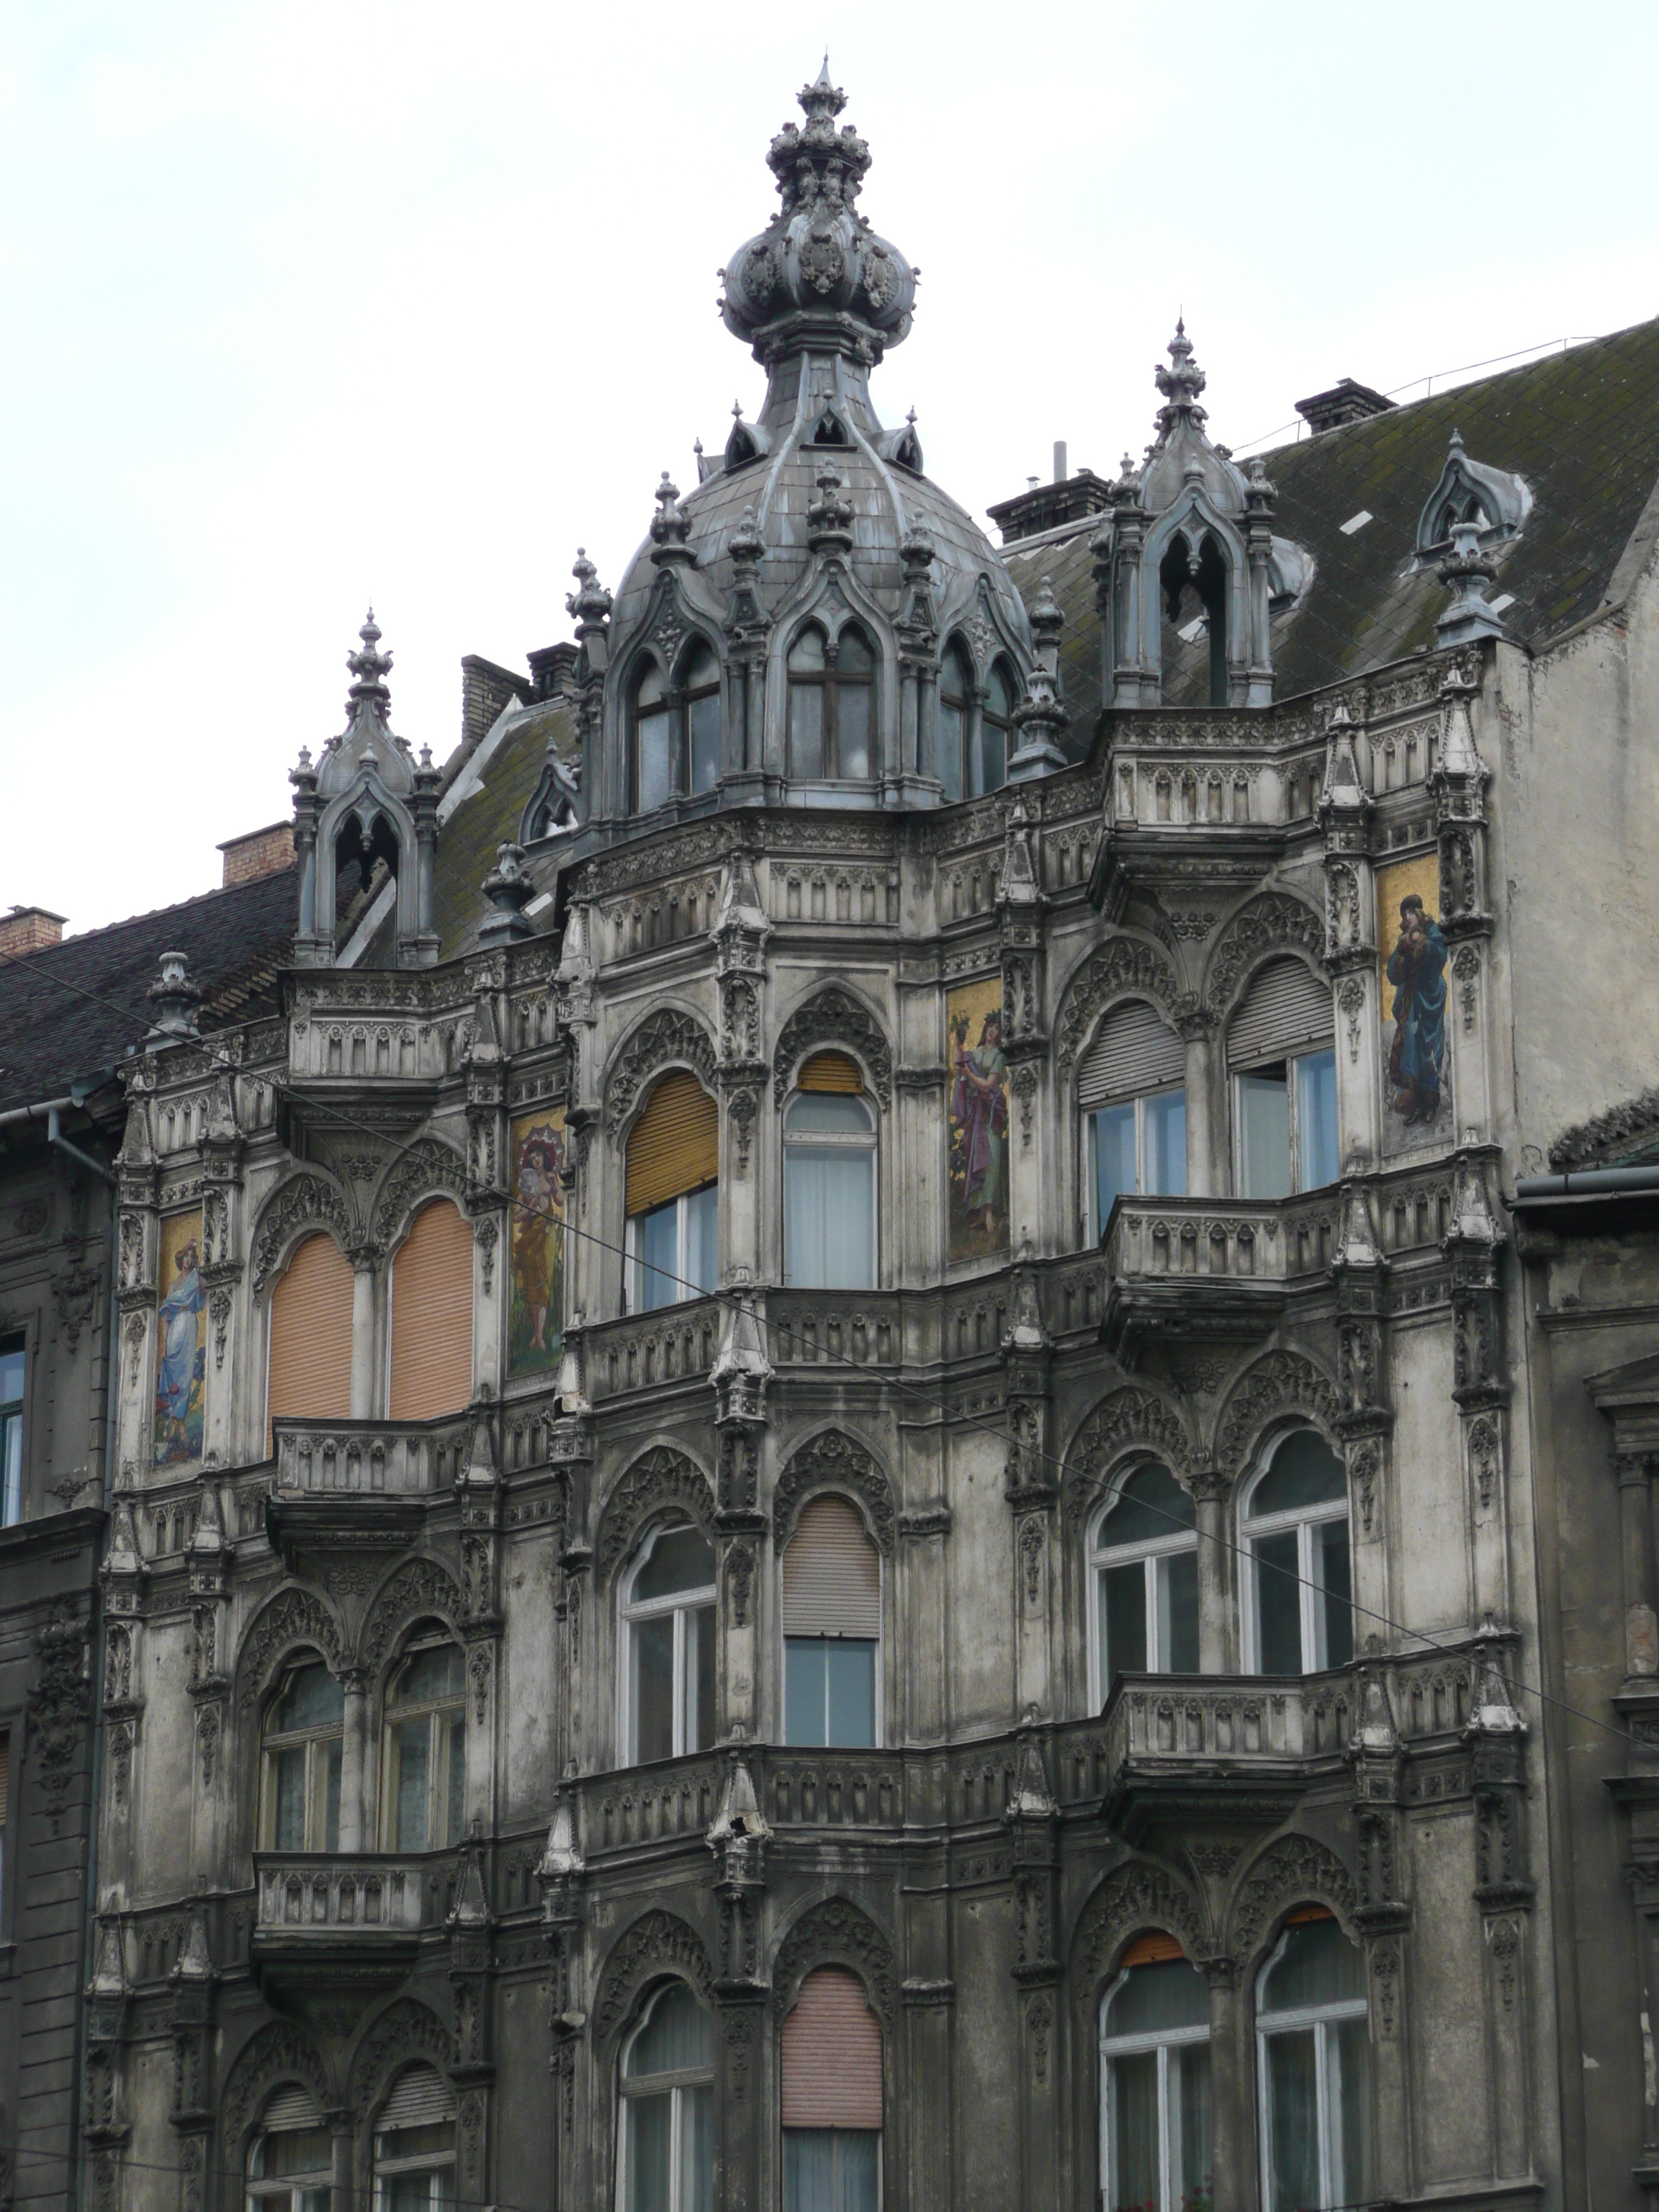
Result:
[{"x": 818, "y": 257}]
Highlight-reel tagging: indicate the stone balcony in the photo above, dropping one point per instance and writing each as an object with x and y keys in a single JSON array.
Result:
[
  {"x": 359, "y": 1916},
  {"x": 368, "y": 1459},
  {"x": 673, "y": 1345},
  {"x": 1189, "y": 1747},
  {"x": 1220, "y": 1267}
]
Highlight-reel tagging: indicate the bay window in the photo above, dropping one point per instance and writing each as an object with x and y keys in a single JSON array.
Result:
[{"x": 1131, "y": 1090}]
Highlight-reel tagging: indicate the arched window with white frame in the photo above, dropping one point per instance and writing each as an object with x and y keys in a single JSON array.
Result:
[
  {"x": 302, "y": 1740},
  {"x": 290, "y": 2161},
  {"x": 415, "y": 2144},
  {"x": 1313, "y": 2068},
  {"x": 424, "y": 1788},
  {"x": 1299, "y": 1586},
  {"x": 1143, "y": 1559},
  {"x": 1132, "y": 1093},
  {"x": 668, "y": 1629},
  {"x": 665, "y": 2090},
  {"x": 673, "y": 1195},
  {"x": 831, "y": 1628},
  {"x": 830, "y": 1178},
  {"x": 1155, "y": 2083}
]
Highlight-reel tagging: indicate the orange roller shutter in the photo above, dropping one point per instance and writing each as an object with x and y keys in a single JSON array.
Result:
[
  {"x": 832, "y": 2055},
  {"x": 829, "y": 1071},
  {"x": 831, "y": 1574},
  {"x": 432, "y": 1316},
  {"x": 1154, "y": 1950},
  {"x": 311, "y": 1335},
  {"x": 675, "y": 1145}
]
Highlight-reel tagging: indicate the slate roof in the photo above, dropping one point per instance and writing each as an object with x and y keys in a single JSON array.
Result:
[
  {"x": 52, "y": 1035},
  {"x": 1582, "y": 427}
]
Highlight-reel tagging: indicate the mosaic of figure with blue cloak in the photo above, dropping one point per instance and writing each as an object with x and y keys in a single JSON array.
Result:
[
  {"x": 1416, "y": 969},
  {"x": 181, "y": 1374}
]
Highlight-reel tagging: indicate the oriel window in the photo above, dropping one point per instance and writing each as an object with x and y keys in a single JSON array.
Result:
[
  {"x": 832, "y": 714},
  {"x": 1144, "y": 1563},
  {"x": 668, "y": 1636},
  {"x": 667, "y": 2099},
  {"x": 302, "y": 1742},
  {"x": 426, "y": 1750}
]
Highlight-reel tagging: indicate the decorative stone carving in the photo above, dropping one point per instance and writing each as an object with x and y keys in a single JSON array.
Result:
[
  {"x": 407, "y": 2032},
  {"x": 833, "y": 1460},
  {"x": 1138, "y": 1896},
  {"x": 1273, "y": 923},
  {"x": 663, "y": 1039},
  {"x": 425, "y": 1168},
  {"x": 418, "y": 1587},
  {"x": 1124, "y": 967},
  {"x": 1129, "y": 1418},
  {"x": 1278, "y": 1383},
  {"x": 1295, "y": 1869},
  {"x": 278, "y": 2053},
  {"x": 835, "y": 1933},
  {"x": 57, "y": 1706},
  {"x": 658, "y": 1480},
  {"x": 658, "y": 1943},
  {"x": 304, "y": 1202},
  {"x": 831, "y": 1017},
  {"x": 292, "y": 1617},
  {"x": 75, "y": 1293}
]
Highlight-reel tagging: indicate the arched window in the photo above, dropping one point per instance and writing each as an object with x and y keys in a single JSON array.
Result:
[
  {"x": 1155, "y": 2068},
  {"x": 653, "y": 740},
  {"x": 431, "y": 1296},
  {"x": 425, "y": 1785},
  {"x": 668, "y": 1637},
  {"x": 673, "y": 1195},
  {"x": 832, "y": 691},
  {"x": 1145, "y": 1562},
  {"x": 1131, "y": 1086},
  {"x": 1296, "y": 1532},
  {"x": 309, "y": 1371},
  {"x": 667, "y": 2097},
  {"x": 996, "y": 724},
  {"x": 1281, "y": 1058},
  {"x": 832, "y": 2100},
  {"x": 415, "y": 2145},
  {"x": 831, "y": 1628},
  {"x": 702, "y": 717},
  {"x": 1315, "y": 2067},
  {"x": 300, "y": 1808},
  {"x": 1194, "y": 587},
  {"x": 955, "y": 711},
  {"x": 830, "y": 1179},
  {"x": 290, "y": 2162}
]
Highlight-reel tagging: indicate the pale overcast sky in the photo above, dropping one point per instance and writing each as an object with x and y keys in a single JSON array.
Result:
[{"x": 309, "y": 302}]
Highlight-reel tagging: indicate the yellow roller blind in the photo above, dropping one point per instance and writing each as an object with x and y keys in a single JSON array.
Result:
[
  {"x": 675, "y": 1145},
  {"x": 830, "y": 1070},
  {"x": 832, "y": 2055},
  {"x": 311, "y": 1335},
  {"x": 831, "y": 1574},
  {"x": 432, "y": 1316}
]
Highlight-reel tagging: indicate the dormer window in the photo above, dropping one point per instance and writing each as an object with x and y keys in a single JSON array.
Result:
[
  {"x": 973, "y": 732},
  {"x": 677, "y": 730},
  {"x": 653, "y": 752},
  {"x": 830, "y": 429},
  {"x": 831, "y": 704},
  {"x": 1194, "y": 586},
  {"x": 1497, "y": 501}
]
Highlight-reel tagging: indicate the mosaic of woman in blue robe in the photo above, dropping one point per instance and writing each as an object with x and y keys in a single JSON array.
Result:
[
  {"x": 1416, "y": 969},
  {"x": 182, "y": 1372}
]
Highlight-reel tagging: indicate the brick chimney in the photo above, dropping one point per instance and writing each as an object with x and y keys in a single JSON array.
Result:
[
  {"x": 257, "y": 852},
  {"x": 29, "y": 929},
  {"x": 1347, "y": 401}
]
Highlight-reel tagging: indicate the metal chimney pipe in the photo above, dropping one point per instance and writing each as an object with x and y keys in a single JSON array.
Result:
[{"x": 1060, "y": 472}]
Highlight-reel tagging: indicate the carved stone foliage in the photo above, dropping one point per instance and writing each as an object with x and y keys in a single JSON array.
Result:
[
  {"x": 833, "y": 1460},
  {"x": 1126, "y": 1419},
  {"x": 406, "y": 2032},
  {"x": 835, "y": 1934},
  {"x": 57, "y": 1707},
  {"x": 292, "y": 1617},
  {"x": 661, "y": 1478},
  {"x": 1274, "y": 923},
  {"x": 665, "y": 1038},
  {"x": 1124, "y": 967},
  {"x": 304, "y": 1202},
  {"x": 656, "y": 1945},
  {"x": 278, "y": 2053},
  {"x": 418, "y": 1587},
  {"x": 425, "y": 1168},
  {"x": 1599, "y": 1143},
  {"x": 833, "y": 1017},
  {"x": 1132, "y": 1899},
  {"x": 1294, "y": 1871},
  {"x": 1277, "y": 1384}
]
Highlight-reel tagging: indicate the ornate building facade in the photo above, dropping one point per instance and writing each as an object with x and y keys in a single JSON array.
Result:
[{"x": 867, "y": 1521}]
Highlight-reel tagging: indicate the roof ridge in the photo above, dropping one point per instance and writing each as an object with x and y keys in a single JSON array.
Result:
[{"x": 150, "y": 914}]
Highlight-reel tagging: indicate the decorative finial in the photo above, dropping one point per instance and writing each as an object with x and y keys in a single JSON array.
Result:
[
  {"x": 911, "y": 418},
  {"x": 669, "y": 528},
  {"x": 1182, "y": 382},
  {"x": 175, "y": 1000},
  {"x": 590, "y": 603},
  {"x": 829, "y": 517}
]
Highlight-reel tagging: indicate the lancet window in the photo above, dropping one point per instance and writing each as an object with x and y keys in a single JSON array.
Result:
[
  {"x": 666, "y": 2091},
  {"x": 425, "y": 1757},
  {"x": 832, "y": 705},
  {"x": 667, "y": 1624},
  {"x": 676, "y": 729},
  {"x": 1155, "y": 2068},
  {"x": 1300, "y": 1585},
  {"x": 1144, "y": 1560}
]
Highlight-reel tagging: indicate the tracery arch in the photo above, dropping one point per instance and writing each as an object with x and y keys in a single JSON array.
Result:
[
  {"x": 1279, "y": 1386},
  {"x": 276, "y": 2053},
  {"x": 835, "y": 1932},
  {"x": 667, "y": 1037},
  {"x": 304, "y": 1202},
  {"x": 417, "y": 1587},
  {"x": 656, "y": 1945},
  {"x": 1131, "y": 1422},
  {"x": 1125, "y": 967},
  {"x": 661, "y": 1478},
  {"x": 1135, "y": 1897},
  {"x": 294, "y": 1619},
  {"x": 429, "y": 1168},
  {"x": 1290, "y": 1871},
  {"x": 1262, "y": 929},
  {"x": 834, "y": 1016},
  {"x": 407, "y": 2030},
  {"x": 834, "y": 1459}
]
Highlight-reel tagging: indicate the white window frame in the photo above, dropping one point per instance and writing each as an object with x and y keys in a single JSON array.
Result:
[
  {"x": 441, "y": 1715},
  {"x": 1100, "y": 1556},
  {"x": 816, "y": 1140},
  {"x": 1321, "y": 2019},
  {"x": 314, "y": 1741},
  {"x": 1162, "y": 2040},
  {"x": 1140, "y": 1100},
  {"x": 630, "y": 1614},
  {"x": 1311, "y": 1587},
  {"x": 260, "y": 2194},
  {"x": 675, "y": 2084},
  {"x": 437, "y": 2163},
  {"x": 1293, "y": 1114},
  {"x": 636, "y": 1269}
]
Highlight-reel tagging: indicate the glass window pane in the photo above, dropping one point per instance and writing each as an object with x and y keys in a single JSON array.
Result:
[
  {"x": 1169, "y": 1993},
  {"x": 1278, "y": 1604},
  {"x": 854, "y": 705},
  {"x": 700, "y": 1679},
  {"x": 1166, "y": 1119},
  {"x": 681, "y": 1559},
  {"x": 828, "y": 1233},
  {"x": 696, "y": 2150},
  {"x": 288, "y": 1780},
  {"x": 452, "y": 1735},
  {"x": 1336, "y": 1606},
  {"x": 1000, "y": 696},
  {"x": 1114, "y": 1159},
  {"x": 326, "y": 1766},
  {"x": 11, "y": 1469},
  {"x": 649, "y": 2134},
  {"x": 1315, "y": 1119},
  {"x": 829, "y": 1113},
  {"x": 852, "y": 653},
  {"x": 807, "y": 654},
  {"x": 1177, "y": 1613},
  {"x": 948, "y": 748},
  {"x": 1292, "y": 2122},
  {"x": 312, "y": 1698},
  {"x": 857, "y": 2158},
  {"x": 431, "y": 1677},
  {"x": 412, "y": 1753},
  {"x": 809, "y": 2170},
  {"x": 850, "y": 1666},
  {"x": 1264, "y": 1134},
  {"x": 1150, "y": 1505},
  {"x": 656, "y": 758},
  {"x": 652, "y": 686},
  {"x": 702, "y": 1221},
  {"x": 1135, "y": 2181},
  {"x": 675, "y": 2038},
  {"x": 654, "y": 1687},
  {"x": 1348, "y": 2097},
  {"x": 417, "y": 2192},
  {"x": 657, "y": 1249},
  {"x": 704, "y": 716},
  {"x": 11, "y": 1378},
  {"x": 1122, "y": 1622},
  {"x": 1189, "y": 2125},
  {"x": 1305, "y": 1471},
  {"x": 702, "y": 670},
  {"x": 804, "y": 1713},
  {"x": 1318, "y": 1966},
  {"x": 805, "y": 729},
  {"x": 993, "y": 753}
]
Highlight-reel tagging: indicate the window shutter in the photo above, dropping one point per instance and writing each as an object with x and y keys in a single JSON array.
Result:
[
  {"x": 292, "y": 2110},
  {"x": 432, "y": 1316},
  {"x": 420, "y": 2098},
  {"x": 675, "y": 1145},
  {"x": 1134, "y": 1051},
  {"x": 830, "y": 1070},
  {"x": 311, "y": 1335},
  {"x": 1153, "y": 1950},
  {"x": 832, "y": 2055},
  {"x": 831, "y": 1574},
  {"x": 1284, "y": 1011}
]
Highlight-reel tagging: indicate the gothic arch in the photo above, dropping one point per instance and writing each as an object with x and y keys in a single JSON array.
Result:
[
  {"x": 1292, "y": 1870},
  {"x": 665, "y": 1038},
  {"x": 1279, "y": 1384},
  {"x": 425, "y": 1170},
  {"x": 656, "y": 1945},
  {"x": 1130, "y": 1420},
  {"x": 1133, "y": 1897},
  {"x": 277, "y": 2052},
  {"x": 834, "y": 1016},
  {"x": 1262, "y": 929},
  {"x": 659, "y": 1477},
  {"x": 1125, "y": 967},
  {"x": 832, "y": 1460},
  {"x": 304, "y": 1202},
  {"x": 406, "y": 2031},
  {"x": 417, "y": 1588},
  {"x": 835, "y": 1932},
  {"x": 294, "y": 1619}
]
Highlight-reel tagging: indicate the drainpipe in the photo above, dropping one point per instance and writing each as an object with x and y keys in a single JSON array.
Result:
[{"x": 1585, "y": 1182}]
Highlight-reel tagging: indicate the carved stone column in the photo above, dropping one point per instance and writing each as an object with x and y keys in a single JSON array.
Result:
[
  {"x": 1033, "y": 1819},
  {"x": 1218, "y": 1634},
  {"x": 1233, "y": 2131},
  {"x": 1031, "y": 1488},
  {"x": 357, "y": 1823},
  {"x": 738, "y": 1838},
  {"x": 1503, "y": 1890},
  {"x": 1207, "y": 1127},
  {"x": 365, "y": 1363},
  {"x": 1458, "y": 787}
]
